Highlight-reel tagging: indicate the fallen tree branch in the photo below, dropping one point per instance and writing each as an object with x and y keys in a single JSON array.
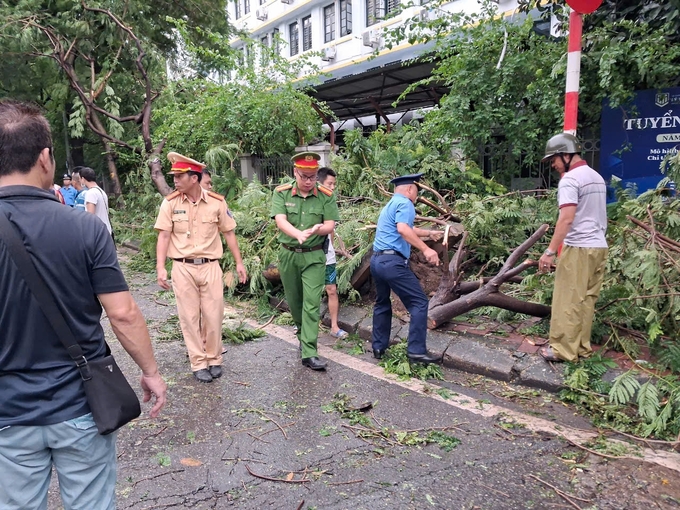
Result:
[{"x": 448, "y": 302}]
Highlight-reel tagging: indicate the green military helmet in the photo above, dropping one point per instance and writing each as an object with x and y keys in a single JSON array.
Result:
[{"x": 563, "y": 143}]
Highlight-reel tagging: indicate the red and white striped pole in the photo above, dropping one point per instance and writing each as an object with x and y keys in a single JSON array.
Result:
[{"x": 573, "y": 72}]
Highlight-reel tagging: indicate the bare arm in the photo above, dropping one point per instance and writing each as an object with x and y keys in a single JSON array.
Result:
[
  {"x": 232, "y": 243},
  {"x": 89, "y": 207},
  {"x": 562, "y": 227},
  {"x": 161, "y": 254},
  {"x": 431, "y": 235},
  {"x": 412, "y": 238},
  {"x": 130, "y": 328}
]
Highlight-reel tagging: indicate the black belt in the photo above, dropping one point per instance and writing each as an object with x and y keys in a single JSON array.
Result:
[
  {"x": 197, "y": 262},
  {"x": 302, "y": 250},
  {"x": 388, "y": 252}
]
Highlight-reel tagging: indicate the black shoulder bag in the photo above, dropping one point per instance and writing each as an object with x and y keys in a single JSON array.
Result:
[{"x": 111, "y": 399}]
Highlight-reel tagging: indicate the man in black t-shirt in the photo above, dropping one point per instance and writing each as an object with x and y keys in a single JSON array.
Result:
[{"x": 44, "y": 415}]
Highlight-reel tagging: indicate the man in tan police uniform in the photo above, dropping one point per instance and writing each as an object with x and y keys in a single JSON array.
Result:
[{"x": 189, "y": 225}]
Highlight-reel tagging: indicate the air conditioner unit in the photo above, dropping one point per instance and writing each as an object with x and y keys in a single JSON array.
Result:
[
  {"x": 286, "y": 1},
  {"x": 371, "y": 38},
  {"x": 261, "y": 13},
  {"x": 328, "y": 54}
]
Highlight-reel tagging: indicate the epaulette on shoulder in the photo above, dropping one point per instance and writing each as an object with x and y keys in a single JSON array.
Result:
[
  {"x": 326, "y": 191},
  {"x": 215, "y": 195},
  {"x": 283, "y": 187},
  {"x": 172, "y": 195}
]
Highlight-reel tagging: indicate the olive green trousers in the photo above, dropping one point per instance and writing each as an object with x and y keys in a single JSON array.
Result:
[
  {"x": 303, "y": 276},
  {"x": 578, "y": 279}
]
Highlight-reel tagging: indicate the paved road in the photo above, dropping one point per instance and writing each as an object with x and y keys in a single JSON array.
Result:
[{"x": 280, "y": 420}]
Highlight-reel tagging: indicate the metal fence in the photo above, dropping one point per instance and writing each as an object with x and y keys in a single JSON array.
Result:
[
  {"x": 272, "y": 169},
  {"x": 520, "y": 172}
]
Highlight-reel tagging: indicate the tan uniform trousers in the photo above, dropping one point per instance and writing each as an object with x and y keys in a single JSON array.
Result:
[
  {"x": 578, "y": 279},
  {"x": 199, "y": 293}
]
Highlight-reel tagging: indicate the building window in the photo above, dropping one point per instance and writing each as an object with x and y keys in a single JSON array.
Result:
[
  {"x": 246, "y": 7},
  {"x": 237, "y": 9},
  {"x": 345, "y": 17},
  {"x": 377, "y": 10},
  {"x": 264, "y": 51},
  {"x": 276, "y": 39},
  {"x": 329, "y": 23},
  {"x": 262, "y": 2},
  {"x": 307, "y": 33},
  {"x": 294, "y": 37}
]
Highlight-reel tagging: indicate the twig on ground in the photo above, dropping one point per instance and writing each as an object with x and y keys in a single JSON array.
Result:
[
  {"x": 560, "y": 493},
  {"x": 258, "y": 438},
  {"x": 246, "y": 384},
  {"x": 262, "y": 326},
  {"x": 274, "y": 430},
  {"x": 595, "y": 452},
  {"x": 159, "y": 302},
  {"x": 157, "y": 476},
  {"x": 239, "y": 459},
  {"x": 495, "y": 490},
  {"x": 271, "y": 479},
  {"x": 302, "y": 503},
  {"x": 344, "y": 483}
]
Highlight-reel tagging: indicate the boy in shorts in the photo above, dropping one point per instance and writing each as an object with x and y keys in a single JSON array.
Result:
[{"x": 327, "y": 177}]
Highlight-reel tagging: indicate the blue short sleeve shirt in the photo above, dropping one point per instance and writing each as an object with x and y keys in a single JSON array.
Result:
[{"x": 398, "y": 210}]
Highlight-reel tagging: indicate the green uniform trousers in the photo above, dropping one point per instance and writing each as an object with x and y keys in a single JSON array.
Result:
[
  {"x": 303, "y": 277},
  {"x": 578, "y": 279}
]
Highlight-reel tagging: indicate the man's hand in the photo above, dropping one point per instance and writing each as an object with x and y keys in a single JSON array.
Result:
[
  {"x": 316, "y": 228},
  {"x": 154, "y": 385},
  {"x": 546, "y": 263},
  {"x": 304, "y": 235},
  {"x": 162, "y": 278},
  {"x": 241, "y": 271},
  {"x": 435, "y": 235},
  {"x": 431, "y": 256}
]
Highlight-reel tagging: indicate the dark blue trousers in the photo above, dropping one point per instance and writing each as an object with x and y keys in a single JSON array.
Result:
[{"x": 392, "y": 272}]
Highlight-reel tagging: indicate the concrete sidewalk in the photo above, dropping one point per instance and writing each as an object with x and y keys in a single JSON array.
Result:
[{"x": 511, "y": 358}]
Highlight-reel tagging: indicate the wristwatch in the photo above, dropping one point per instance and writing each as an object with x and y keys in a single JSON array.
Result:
[{"x": 549, "y": 252}]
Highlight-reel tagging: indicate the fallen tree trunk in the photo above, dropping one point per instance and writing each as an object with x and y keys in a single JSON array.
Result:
[{"x": 447, "y": 302}]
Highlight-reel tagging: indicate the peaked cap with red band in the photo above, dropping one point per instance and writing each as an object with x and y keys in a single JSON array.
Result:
[
  {"x": 182, "y": 164},
  {"x": 306, "y": 161}
]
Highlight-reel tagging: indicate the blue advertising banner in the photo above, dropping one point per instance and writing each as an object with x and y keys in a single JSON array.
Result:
[{"x": 636, "y": 137}]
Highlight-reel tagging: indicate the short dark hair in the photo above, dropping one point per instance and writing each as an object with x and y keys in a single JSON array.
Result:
[
  {"x": 324, "y": 172},
  {"x": 88, "y": 174},
  {"x": 76, "y": 170},
  {"x": 24, "y": 134},
  {"x": 207, "y": 171}
]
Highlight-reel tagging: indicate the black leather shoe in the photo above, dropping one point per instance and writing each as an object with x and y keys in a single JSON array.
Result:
[
  {"x": 314, "y": 363},
  {"x": 378, "y": 354},
  {"x": 215, "y": 371},
  {"x": 424, "y": 358},
  {"x": 203, "y": 375}
]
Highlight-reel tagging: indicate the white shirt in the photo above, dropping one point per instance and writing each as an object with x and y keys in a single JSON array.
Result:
[{"x": 95, "y": 195}]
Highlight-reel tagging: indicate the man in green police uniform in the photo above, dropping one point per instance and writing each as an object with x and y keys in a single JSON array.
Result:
[{"x": 305, "y": 213}]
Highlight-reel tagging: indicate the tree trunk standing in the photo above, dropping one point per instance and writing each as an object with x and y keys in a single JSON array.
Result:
[
  {"x": 158, "y": 177},
  {"x": 110, "y": 162}
]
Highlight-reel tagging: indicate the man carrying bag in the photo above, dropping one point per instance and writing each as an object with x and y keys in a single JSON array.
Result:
[{"x": 45, "y": 416}]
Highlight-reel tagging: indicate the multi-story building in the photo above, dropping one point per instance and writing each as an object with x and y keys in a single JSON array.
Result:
[{"x": 362, "y": 77}]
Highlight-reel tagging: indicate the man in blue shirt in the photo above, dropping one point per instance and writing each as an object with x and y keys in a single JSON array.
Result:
[
  {"x": 68, "y": 192},
  {"x": 79, "y": 202},
  {"x": 394, "y": 237}
]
